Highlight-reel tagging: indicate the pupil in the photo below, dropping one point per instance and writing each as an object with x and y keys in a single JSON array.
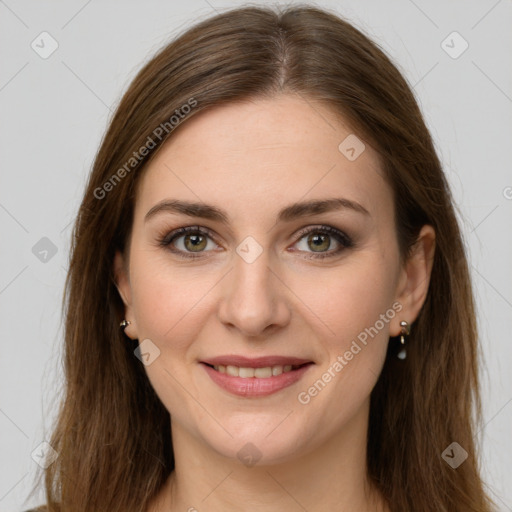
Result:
[
  {"x": 195, "y": 240},
  {"x": 318, "y": 240}
]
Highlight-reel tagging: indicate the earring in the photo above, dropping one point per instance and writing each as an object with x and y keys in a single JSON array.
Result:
[
  {"x": 124, "y": 324},
  {"x": 405, "y": 331}
]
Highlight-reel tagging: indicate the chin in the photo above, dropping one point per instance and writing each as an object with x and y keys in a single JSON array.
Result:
[{"x": 253, "y": 446}]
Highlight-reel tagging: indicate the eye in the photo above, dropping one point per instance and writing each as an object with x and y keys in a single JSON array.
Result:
[
  {"x": 320, "y": 239},
  {"x": 188, "y": 240},
  {"x": 194, "y": 241}
]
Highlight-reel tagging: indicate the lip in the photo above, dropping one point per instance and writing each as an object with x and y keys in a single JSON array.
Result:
[
  {"x": 255, "y": 362},
  {"x": 253, "y": 387}
]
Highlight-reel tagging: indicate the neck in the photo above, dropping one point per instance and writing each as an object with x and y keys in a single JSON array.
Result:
[{"x": 330, "y": 477}]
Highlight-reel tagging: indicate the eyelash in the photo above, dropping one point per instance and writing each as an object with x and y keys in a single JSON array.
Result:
[{"x": 340, "y": 237}]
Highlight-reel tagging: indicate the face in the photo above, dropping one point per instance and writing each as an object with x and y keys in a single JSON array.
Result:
[{"x": 319, "y": 288}]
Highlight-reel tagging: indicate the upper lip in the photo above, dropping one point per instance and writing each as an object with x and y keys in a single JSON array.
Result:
[{"x": 255, "y": 362}]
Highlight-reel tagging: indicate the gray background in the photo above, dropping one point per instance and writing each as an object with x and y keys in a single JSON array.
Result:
[{"x": 54, "y": 112}]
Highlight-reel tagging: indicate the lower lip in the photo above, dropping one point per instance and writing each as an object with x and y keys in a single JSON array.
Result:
[{"x": 253, "y": 386}]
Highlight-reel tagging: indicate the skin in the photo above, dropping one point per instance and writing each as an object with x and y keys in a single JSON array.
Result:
[{"x": 253, "y": 159}]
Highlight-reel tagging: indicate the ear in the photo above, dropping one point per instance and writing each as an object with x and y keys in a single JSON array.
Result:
[
  {"x": 414, "y": 278},
  {"x": 122, "y": 281}
]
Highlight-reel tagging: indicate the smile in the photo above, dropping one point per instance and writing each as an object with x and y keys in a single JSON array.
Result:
[
  {"x": 258, "y": 373},
  {"x": 261, "y": 381}
]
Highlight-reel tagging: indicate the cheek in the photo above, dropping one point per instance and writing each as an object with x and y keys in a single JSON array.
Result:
[
  {"x": 345, "y": 300},
  {"x": 168, "y": 309},
  {"x": 357, "y": 306},
  {"x": 351, "y": 298},
  {"x": 166, "y": 298},
  {"x": 355, "y": 302}
]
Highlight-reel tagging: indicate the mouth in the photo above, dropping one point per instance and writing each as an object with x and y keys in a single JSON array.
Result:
[
  {"x": 248, "y": 372},
  {"x": 255, "y": 377}
]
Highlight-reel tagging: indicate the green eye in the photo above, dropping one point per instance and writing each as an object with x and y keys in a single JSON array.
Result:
[
  {"x": 192, "y": 241},
  {"x": 319, "y": 240}
]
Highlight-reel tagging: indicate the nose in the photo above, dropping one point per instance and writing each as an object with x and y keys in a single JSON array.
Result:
[{"x": 254, "y": 298}]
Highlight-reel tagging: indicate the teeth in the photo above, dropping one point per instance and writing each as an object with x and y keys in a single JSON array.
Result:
[
  {"x": 232, "y": 370},
  {"x": 245, "y": 372},
  {"x": 259, "y": 373},
  {"x": 277, "y": 370},
  {"x": 262, "y": 373}
]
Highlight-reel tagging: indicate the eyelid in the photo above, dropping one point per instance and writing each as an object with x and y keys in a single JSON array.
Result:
[
  {"x": 342, "y": 238},
  {"x": 185, "y": 230},
  {"x": 322, "y": 228}
]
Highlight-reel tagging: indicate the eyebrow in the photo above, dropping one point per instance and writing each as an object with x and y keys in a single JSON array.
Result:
[{"x": 289, "y": 213}]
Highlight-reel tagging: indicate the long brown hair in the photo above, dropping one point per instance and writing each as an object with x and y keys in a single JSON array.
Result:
[{"x": 112, "y": 432}]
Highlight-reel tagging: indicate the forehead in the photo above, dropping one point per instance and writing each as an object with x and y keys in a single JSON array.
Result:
[{"x": 263, "y": 152}]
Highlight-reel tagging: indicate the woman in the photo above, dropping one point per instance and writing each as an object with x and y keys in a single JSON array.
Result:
[{"x": 268, "y": 300}]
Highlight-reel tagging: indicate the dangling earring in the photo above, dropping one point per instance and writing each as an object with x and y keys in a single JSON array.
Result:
[
  {"x": 405, "y": 331},
  {"x": 124, "y": 324}
]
